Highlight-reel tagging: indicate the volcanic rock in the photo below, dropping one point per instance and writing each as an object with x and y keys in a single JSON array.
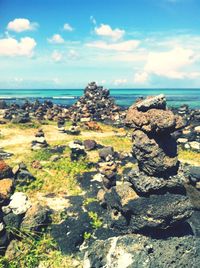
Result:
[
  {"x": 36, "y": 218},
  {"x": 96, "y": 104},
  {"x": 156, "y": 156},
  {"x": 6, "y": 187},
  {"x": 135, "y": 251},
  {"x": 5, "y": 170},
  {"x": 89, "y": 145}
]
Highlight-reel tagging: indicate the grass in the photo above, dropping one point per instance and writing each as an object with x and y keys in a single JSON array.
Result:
[
  {"x": 33, "y": 250},
  {"x": 189, "y": 157},
  {"x": 57, "y": 178}
]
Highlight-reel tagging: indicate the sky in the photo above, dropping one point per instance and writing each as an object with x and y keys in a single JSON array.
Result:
[{"x": 117, "y": 43}]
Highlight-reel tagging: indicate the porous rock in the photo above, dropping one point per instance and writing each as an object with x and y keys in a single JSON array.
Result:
[{"x": 134, "y": 251}]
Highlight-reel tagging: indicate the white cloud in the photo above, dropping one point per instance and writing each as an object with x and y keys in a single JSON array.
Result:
[
  {"x": 56, "y": 80},
  {"x": 141, "y": 78},
  {"x": 121, "y": 46},
  {"x": 56, "y": 56},
  {"x": 73, "y": 54},
  {"x": 169, "y": 63},
  {"x": 21, "y": 25},
  {"x": 18, "y": 79},
  {"x": 121, "y": 81},
  {"x": 56, "y": 39},
  {"x": 67, "y": 27},
  {"x": 106, "y": 31},
  {"x": 13, "y": 47}
]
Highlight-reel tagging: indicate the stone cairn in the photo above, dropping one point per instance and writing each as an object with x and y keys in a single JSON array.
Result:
[
  {"x": 77, "y": 150},
  {"x": 189, "y": 138},
  {"x": 61, "y": 124},
  {"x": 96, "y": 104},
  {"x": 107, "y": 167},
  {"x": 152, "y": 197},
  {"x": 39, "y": 142}
]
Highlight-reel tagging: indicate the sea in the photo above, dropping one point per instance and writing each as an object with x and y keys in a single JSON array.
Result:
[{"x": 123, "y": 97}]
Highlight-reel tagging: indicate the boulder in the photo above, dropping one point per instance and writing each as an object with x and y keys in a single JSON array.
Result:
[
  {"x": 154, "y": 120},
  {"x": 145, "y": 214},
  {"x": 156, "y": 156},
  {"x": 152, "y": 102},
  {"x": 36, "y": 218},
  {"x": 136, "y": 251},
  {"x": 146, "y": 185}
]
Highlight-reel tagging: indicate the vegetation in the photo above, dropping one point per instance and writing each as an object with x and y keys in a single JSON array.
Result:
[
  {"x": 33, "y": 250},
  {"x": 58, "y": 178},
  {"x": 96, "y": 221},
  {"x": 189, "y": 157}
]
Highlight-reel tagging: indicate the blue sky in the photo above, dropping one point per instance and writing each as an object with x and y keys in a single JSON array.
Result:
[{"x": 121, "y": 43}]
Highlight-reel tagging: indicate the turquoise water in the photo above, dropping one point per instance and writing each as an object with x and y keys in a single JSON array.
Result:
[{"x": 124, "y": 97}]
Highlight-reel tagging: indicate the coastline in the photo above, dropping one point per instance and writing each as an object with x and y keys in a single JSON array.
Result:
[{"x": 123, "y": 97}]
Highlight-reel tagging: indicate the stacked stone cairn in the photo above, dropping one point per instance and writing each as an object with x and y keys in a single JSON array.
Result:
[
  {"x": 74, "y": 129},
  {"x": 189, "y": 138},
  {"x": 77, "y": 150},
  {"x": 152, "y": 198},
  {"x": 61, "y": 125},
  {"x": 107, "y": 167},
  {"x": 96, "y": 104},
  {"x": 39, "y": 142}
]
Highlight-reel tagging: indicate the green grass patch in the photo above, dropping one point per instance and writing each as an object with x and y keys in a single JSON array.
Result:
[
  {"x": 31, "y": 251},
  {"x": 189, "y": 156}
]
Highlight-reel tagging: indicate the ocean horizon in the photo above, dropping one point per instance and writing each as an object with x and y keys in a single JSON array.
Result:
[{"x": 123, "y": 97}]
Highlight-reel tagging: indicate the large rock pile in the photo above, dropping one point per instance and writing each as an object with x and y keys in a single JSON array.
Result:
[
  {"x": 29, "y": 110},
  {"x": 96, "y": 104},
  {"x": 148, "y": 210},
  {"x": 155, "y": 197}
]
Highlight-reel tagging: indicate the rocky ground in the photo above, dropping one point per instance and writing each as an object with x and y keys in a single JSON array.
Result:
[{"x": 87, "y": 194}]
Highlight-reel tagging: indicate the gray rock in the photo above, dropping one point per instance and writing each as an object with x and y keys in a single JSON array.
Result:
[
  {"x": 147, "y": 185},
  {"x": 36, "y": 218},
  {"x": 194, "y": 174},
  {"x": 145, "y": 214},
  {"x": 136, "y": 251},
  {"x": 158, "y": 102},
  {"x": 12, "y": 221},
  {"x": 106, "y": 153},
  {"x": 19, "y": 203},
  {"x": 24, "y": 177},
  {"x": 155, "y": 156},
  {"x": 89, "y": 145}
]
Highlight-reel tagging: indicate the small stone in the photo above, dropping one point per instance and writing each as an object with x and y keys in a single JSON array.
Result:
[
  {"x": 6, "y": 187},
  {"x": 5, "y": 170},
  {"x": 19, "y": 203},
  {"x": 1, "y": 226},
  {"x": 54, "y": 158},
  {"x": 12, "y": 220},
  {"x": 106, "y": 152},
  {"x": 89, "y": 145}
]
